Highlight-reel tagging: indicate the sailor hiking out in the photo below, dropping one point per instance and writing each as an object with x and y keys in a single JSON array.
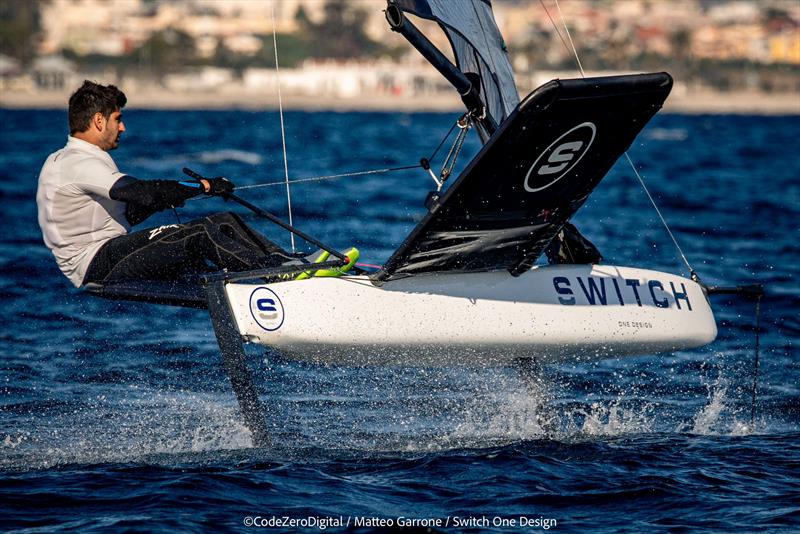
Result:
[{"x": 86, "y": 209}]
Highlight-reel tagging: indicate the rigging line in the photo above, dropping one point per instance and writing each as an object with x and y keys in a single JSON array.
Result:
[
  {"x": 566, "y": 29},
  {"x": 445, "y": 138},
  {"x": 452, "y": 156},
  {"x": 663, "y": 221},
  {"x": 283, "y": 132},
  {"x": 555, "y": 27},
  {"x": 357, "y": 173},
  {"x": 330, "y": 176},
  {"x": 630, "y": 162}
]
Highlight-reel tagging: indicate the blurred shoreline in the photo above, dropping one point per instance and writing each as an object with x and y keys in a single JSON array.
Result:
[{"x": 690, "y": 102}]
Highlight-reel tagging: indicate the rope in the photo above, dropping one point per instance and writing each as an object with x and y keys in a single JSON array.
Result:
[
  {"x": 558, "y": 32},
  {"x": 330, "y": 176},
  {"x": 664, "y": 222},
  {"x": 447, "y": 135},
  {"x": 283, "y": 132},
  {"x": 358, "y": 173},
  {"x": 627, "y": 157},
  {"x": 465, "y": 123},
  {"x": 566, "y": 29}
]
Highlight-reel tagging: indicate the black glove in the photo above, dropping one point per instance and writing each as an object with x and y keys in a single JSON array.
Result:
[{"x": 220, "y": 186}]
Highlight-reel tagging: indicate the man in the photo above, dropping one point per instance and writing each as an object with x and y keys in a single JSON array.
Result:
[{"x": 87, "y": 208}]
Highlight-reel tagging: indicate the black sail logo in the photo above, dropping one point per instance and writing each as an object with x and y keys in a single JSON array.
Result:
[{"x": 560, "y": 157}]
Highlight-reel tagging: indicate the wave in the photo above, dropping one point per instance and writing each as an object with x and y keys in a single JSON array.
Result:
[
  {"x": 666, "y": 134},
  {"x": 228, "y": 154},
  {"x": 373, "y": 411},
  {"x": 169, "y": 162}
]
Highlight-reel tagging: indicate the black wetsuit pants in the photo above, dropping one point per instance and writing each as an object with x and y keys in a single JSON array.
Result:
[{"x": 219, "y": 241}]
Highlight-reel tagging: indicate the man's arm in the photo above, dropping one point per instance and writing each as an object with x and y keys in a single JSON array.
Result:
[{"x": 146, "y": 197}]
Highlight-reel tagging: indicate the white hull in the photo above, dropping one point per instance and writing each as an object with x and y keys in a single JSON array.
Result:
[{"x": 550, "y": 313}]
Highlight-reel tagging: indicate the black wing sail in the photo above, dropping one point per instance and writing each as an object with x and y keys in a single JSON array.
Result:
[{"x": 531, "y": 176}]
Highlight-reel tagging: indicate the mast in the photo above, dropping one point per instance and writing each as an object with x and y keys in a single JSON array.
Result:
[
  {"x": 482, "y": 74},
  {"x": 468, "y": 91}
]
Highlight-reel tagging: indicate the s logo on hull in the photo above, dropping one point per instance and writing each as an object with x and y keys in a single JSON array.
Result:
[
  {"x": 266, "y": 309},
  {"x": 560, "y": 157}
]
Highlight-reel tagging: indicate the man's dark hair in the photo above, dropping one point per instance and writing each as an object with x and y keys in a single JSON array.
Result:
[{"x": 91, "y": 98}]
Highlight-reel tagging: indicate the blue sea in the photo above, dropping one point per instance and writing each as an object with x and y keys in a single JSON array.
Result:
[{"x": 117, "y": 416}]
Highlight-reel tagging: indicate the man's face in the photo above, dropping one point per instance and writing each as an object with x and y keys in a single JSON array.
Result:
[{"x": 112, "y": 129}]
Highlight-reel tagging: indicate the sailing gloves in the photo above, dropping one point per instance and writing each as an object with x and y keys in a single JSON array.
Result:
[{"x": 219, "y": 186}]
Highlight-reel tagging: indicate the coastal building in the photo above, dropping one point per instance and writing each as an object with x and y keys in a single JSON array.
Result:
[
  {"x": 225, "y": 45},
  {"x": 53, "y": 73}
]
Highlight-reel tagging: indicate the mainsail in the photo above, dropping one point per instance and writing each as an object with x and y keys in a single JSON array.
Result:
[{"x": 478, "y": 47}]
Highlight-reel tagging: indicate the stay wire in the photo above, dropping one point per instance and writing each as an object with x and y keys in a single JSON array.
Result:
[
  {"x": 452, "y": 156},
  {"x": 330, "y": 176},
  {"x": 663, "y": 221},
  {"x": 441, "y": 143},
  {"x": 356, "y": 173},
  {"x": 692, "y": 272},
  {"x": 558, "y": 32},
  {"x": 283, "y": 132},
  {"x": 574, "y": 50}
]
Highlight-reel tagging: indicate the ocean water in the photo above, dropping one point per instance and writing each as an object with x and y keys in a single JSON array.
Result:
[{"x": 118, "y": 417}]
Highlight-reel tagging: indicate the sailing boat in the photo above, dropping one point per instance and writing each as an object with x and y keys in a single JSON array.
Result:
[{"x": 464, "y": 286}]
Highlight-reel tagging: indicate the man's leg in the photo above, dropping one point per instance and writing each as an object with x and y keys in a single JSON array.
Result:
[
  {"x": 168, "y": 252},
  {"x": 145, "y": 255},
  {"x": 234, "y": 227}
]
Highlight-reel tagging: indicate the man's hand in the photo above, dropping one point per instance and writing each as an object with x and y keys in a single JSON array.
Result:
[{"x": 219, "y": 186}]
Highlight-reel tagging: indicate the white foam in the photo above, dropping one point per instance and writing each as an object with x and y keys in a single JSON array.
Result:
[
  {"x": 228, "y": 154},
  {"x": 718, "y": 417},
  {"x": 615, "y": 420},
  {"x": 123, "y": 430}
]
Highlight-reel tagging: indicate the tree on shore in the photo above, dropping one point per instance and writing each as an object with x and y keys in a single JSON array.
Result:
[
  {"x": 20, "y": 27},
  {"x": 340, "y": 34},
  {"x": 165, "y": 51}
]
